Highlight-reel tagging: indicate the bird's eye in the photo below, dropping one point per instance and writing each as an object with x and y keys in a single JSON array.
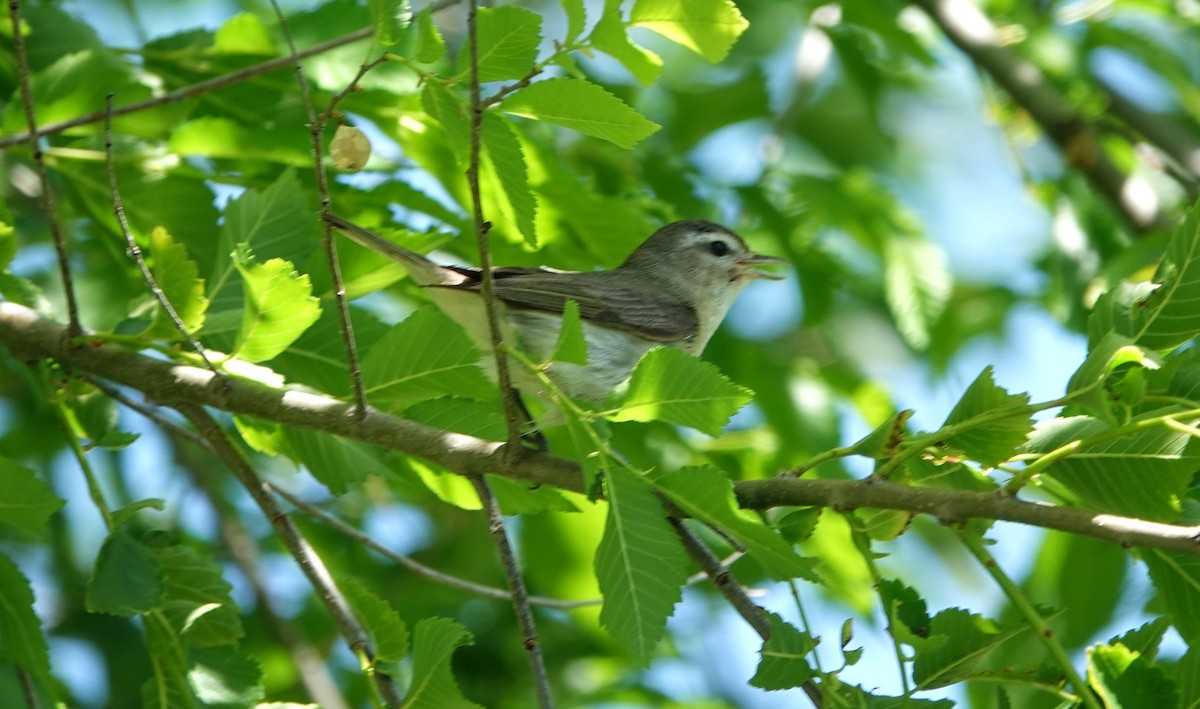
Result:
[{"x": 718, "y": 248}]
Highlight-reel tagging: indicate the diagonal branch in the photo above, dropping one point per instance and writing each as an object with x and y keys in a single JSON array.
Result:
[
  {"x": 30, "y": 336},
  {"x": 973, "y": 33}
]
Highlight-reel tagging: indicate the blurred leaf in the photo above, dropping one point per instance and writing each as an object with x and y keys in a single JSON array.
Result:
[
  {"x": 639, "y": 565},
  {"x": 389, "y": 18},
  {"x": 706, "y": 494},
  {"x": 279, "y": 307},
  {"x": 77, "y": 83},
  {"x": 955, "y": 647},
  {"x": 508, "y": 43},
  {"x": 461, "y": 415},
  {"x": 1008, "y": 417},
  {"x": 670, "y": 385},
  {"x": 26, "y": 502},
  {"x": 433, "y": 687},
  {"x": 609, "y": 36},
  {"x": 337, "y": 462},
  {"x": 918, "y": 284},
  {"x": 1176, "y": 577},
  {"x": 127, "y": 579},
  {"x": 582, "y": 106},
  {"x": 430, "y": 45},
  {"x": 244, "y": 33},
  {"x": 219, "y": 137},
  {"x": 424, "y": 357},
  {"x": 576, "y": 18},
  {"x": 707, "y": 27},
  {"x": 1106, "y": 356},
  {"x": 783, "y": 664},
  {"x": 1188, "y": 679},
  {"x": 886, "y": 438},
  {"x": 224, "y": 676},
  {"x": 697, "y": 114},
  {"x": 450, "y": 112}
]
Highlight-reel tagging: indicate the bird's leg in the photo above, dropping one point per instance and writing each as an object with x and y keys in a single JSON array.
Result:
[{"x": 532, "y": 438}]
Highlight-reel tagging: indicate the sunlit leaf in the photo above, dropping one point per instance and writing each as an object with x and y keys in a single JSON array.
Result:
[
  {"x": 279, "y": 307},
  {"x": 707, "y": 27},
  {"x": 508, "y": 43},
  {"x": 1008, "y": 421},
  {"x": 582, "y": 106},
  {"x": 389, "y": 18},
  {"x": 610, "y": 37},
  {"x": 507, "y": 160},
  {"x": 1123, "y": 678},
  {"x": 181, "y": 284},
  {"x": 670, "y": 385}
]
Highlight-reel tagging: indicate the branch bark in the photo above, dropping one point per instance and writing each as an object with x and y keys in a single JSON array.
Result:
[{"x": 30, "y": 336}]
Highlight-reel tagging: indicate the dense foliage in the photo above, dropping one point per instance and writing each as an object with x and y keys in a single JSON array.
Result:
[{"x": 992, "y": 319}]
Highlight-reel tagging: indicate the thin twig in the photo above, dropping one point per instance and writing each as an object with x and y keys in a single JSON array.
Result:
[
  {"x": 733, "y": 592},
  {"x": 298, "y": 547},
  {"x": 315, "y": 125},
  {"x": 512, "y": 414},
  {"x": 520, "y": 596},
  {"x": 135, "y": 251},
  {"x": 74, "y": 328},
  {"x": 509, "y": 88},
  {"x": 419, "y": 568}
]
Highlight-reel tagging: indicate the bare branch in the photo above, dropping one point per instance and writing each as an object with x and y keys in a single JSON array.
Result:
[
  {"x": 299, "y": 548},
  {"x": 47, "y": 197},
  {"x": 30, "y": 336}
]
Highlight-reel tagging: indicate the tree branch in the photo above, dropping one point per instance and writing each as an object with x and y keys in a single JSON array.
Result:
[
  {"x": 30, "y": 336},
  {"x": 972, "y": 32}
]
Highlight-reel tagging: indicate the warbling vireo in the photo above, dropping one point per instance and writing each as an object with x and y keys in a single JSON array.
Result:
[{"x": 673, "y": 290}]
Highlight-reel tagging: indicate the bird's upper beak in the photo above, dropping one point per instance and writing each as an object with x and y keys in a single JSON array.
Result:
[{"x": 750, "y": 262}]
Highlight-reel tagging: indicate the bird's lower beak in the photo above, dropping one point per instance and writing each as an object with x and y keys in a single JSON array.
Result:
[{"x": 750, "y": 262}]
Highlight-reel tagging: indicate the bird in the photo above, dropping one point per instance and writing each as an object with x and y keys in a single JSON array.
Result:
[{"x": 673, "y": 290}]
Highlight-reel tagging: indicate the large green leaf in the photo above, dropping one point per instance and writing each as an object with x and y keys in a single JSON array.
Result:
[
  {"x": 224, "y": 676},
  {"x": 670, "y": 385},
  {"x": 389, "y": 18},
  {"x": 706, "y": 494},
  {"x": 918, "y": 284},
  {"x": 997, "y": 440},
  {"x": 450, "y": 112},
  {"x": 609, "y": 36},
  {"x": 26, "y": 502},
  {"x": 1124, "y": 678},
  {"x": 1111, "y": 352},
  {"x": 385, "y": 626},
  {"x": 956, "y": 643},
  {"x": 639, "y": 565},
  {"x": 279, "y": 307},
  {"x": 1176, "y": 577},
  {"x": 433, "y": 687},
  {"x": 580, "y": 105},
  {"x": 707, "y": 27},
  {"x": 1143, "y": 473},
  {"x": 197, "y": 600},
  {"x": 424, "y": 357},
  {"x": 508, "y": 43},
  {"x": 335, "y": 461}
]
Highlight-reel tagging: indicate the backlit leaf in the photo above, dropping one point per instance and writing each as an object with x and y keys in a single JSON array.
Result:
[
  {"x": 670, "y": 385},
  {"x": 580, "y": 105},
  {"x": 707, "y": 27}
]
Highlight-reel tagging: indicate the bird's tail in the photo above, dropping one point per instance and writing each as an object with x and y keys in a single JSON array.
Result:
[{"x": 422, "y": 270}]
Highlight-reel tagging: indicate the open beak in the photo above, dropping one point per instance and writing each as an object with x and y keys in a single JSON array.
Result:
[{"x": 750, "y": 262}]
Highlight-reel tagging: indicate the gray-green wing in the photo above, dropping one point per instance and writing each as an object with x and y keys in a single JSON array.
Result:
[{"x": 604, "y": 298}]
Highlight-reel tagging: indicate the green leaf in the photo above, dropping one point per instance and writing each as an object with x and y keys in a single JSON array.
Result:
[
  {"x": 698, "y": 112},
  {"x": 197, "y": 600},
  {"x": 670, "y": 385},
  {"x": 884, "y": 440},
  {"x": 424, "y": 357},
  {"x": 388, "y": 632},
  {"x": 221, "y": 137},
  {"x": 335, "y": 461},
  {"x": 76, "y": 84},
  {"x": 430, "y": 45},
  {"x": 508, "y": 39},
  {"x": 94, "y": 416},
  {"x": 389, "y": 18},
  {"x": 26, "y": 502},
  {"x": 580, "y": 105},
  {"x": 1176, "y": 577},
  {"x": 918, "y": 285},
  {"x": 571, "y": 346},
  {"x": 576, "y": 19},
  {"x": 179, "y": 278},
  {"x": 507, "y": 161},
  {"x": 1188, "y": 678},
  {"x": 1142, "y": 474},
  {"x": 955, "y": 647},
  {"x": 783, "y": 664},
  {"x": 279, "y": 307},
  {"x": 1123, "y": 678},
  {"x": 450, "y": 112},
  {"x": 224, "y": 676},
  {"x": 168, "y": 687},
  {"x": 433, "y": 687},
  {"x": 609, "y": 36},
  {"x": 318, "y": 358},
  {"x": 461, "y": 415},
  {"x": 20, "y": 628},
  {"x": 128, "y": 579},
  {"x": 907, "y": 614},
  {"x": 244, "y": 33},
  {"x": 996, "y": 441},
  {"x": 707, "y": 27},
  {"x": 639, "y": 565},
  {"x": 706, "y": 494}
]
